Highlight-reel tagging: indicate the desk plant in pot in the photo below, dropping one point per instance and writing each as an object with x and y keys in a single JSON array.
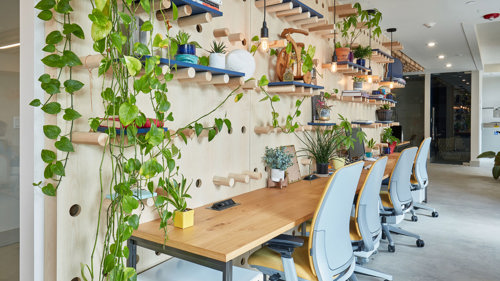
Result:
[
  {"x": 384, "y": 113},
  {"x": 369, "y": 148},
  {"x": 177, "y": 195},
  {"x": 496, "y": 168},
  {"x": 217, "y": 56},
  {"x": 361, "y": 54},
  {"x": 278, "y": 160},
  {"x": 186, "y": 50},
  {"x": 391, "y": 140},
  {"x": 322, "y": 108},
  {"x": 358, "y": 83}
]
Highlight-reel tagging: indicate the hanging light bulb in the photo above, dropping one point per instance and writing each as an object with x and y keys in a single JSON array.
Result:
[
  {"x": 391, "y": 85},
  {"x": 264, "y": 32},
  {"x": 333, "y": 67},
  {"x": 369, "y": 79}
]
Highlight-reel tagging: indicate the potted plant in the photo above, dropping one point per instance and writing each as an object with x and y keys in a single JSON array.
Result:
[
  {"x": 369, "y": 148},
  {"x": 186, "y": 50},
  {"x": 496, "y": 167},
  {"x": 217, "y": 56},
  {"x": 391, "y": 140},
  {"x": 384, "y": 113},
  {"x": 358, "y": 83},
  {"x": 342, "y": 51},
  {"x": 322, "y": 108},
  {"x": 324, "y": 145},
  {"x": 178, "y": 193},
  {"x": 278, "y": 160},
  {"x": 361, "y": 54}
]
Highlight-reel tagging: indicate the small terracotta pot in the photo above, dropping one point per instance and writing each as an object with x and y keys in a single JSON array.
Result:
[{"x": 342, "y": 54}]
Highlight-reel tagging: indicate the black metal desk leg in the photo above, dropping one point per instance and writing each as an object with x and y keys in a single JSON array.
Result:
[
  {"x": 304, "y": 230},
  {"x": 132, "y": 253},
  {"x": 227, "y": 272}
]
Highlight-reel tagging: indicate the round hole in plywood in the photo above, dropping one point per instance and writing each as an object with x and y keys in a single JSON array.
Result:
[
  {"x": 75, "y": 210},
  {"x": 76, "y": 279},
  {"x": 243, "y": 129},
  {"x": 323, "y": 5},
  {"x": 157, "y": 253},
  {"x": 265, "y": 169},
  {"x": 198, "y": 183},
  {"x": 316, "y": 2},
  {"x": 230, "y": 130},
  {"x": 137, "y": 259},
  {"x": 256, "y": 170},
  {"x": 199, "y": 28},
  {"x": 244, "y": 42},
  {"x": 242, "y": 261}
]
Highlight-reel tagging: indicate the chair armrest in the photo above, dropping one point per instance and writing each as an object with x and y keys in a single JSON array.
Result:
[{"x": 285, "y": 244}]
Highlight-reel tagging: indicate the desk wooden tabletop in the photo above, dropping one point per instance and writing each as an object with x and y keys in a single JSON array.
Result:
[{"x": 262, "y": 215}]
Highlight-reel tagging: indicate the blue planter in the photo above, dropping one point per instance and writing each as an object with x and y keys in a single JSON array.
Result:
[
  {"x": 361, "y": 62},
  {"x": 188, "y": 49},
  {"x": 369, "y": 154},
  {"x": 389, "y": 97},
  {"x": 386, "y": 150}
]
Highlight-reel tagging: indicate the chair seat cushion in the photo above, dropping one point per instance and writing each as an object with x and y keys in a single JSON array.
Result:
[
  {"x": 266, "y": 257},
  {"x": 385, "y": 197},
  {"x": 354, "y": 231}
]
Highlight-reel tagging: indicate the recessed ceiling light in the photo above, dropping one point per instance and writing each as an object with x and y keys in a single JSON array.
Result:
[
  {"x": 431, "y": 44},
  {"x": 441, "y": 57},
  {"x": 448, "y": 65},
  {"x": 429, "y": 24},
  {"x": 10, "y": 46},
  {"x": 471, "y": 2}
]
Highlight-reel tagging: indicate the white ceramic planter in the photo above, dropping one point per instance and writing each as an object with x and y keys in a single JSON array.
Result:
[
  {"x": 277, "y": 175},
  {"x": 217, "y": 60},
  {"x": 241, "y": 61}
]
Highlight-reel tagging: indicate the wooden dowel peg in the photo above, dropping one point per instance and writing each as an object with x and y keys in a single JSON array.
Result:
[
  {"x": 277, "y": 43},
  {"x": 221, "y": 32},
  {"x": 90, "y": 138},
  {"x": 185, "y": 73},
  {"x": 218, "y": 79},
  {"x": 280, "y": 7},
  {"x": 150, "y": 202},
  {"x": 321, "y": 27},
  {"x": 194, "y": 20},
  {"x": 298, "y": 17},
  {"x": 240, "y": 177},
  {"x": 250, "y": 85},
  {"x": 260, "y": 3},
  {"x": 236, "y": 37},
  {"x": 90, "y": 61},
  {"x": 200, "y": 77},
  {"x": 293, "y": 11},
  {"x": 281, "y": 89},
  {"x": 236, "y": 81},
  {"x": 182, "y": 11},
  {"x": 263, "y": 130},
  {"x": 253, "y": 175},
  {"x": 155, "y": 6},
  {"x": 223, "y": 181},
  {"x": 318, "y": 23},
  {"x": 313, "y": 19}
]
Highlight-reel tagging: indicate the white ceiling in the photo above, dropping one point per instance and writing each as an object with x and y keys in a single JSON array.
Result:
[{"x": 454, "y": 32}]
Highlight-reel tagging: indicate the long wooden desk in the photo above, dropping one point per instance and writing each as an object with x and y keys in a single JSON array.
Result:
[{"x": 218, "y": 237}]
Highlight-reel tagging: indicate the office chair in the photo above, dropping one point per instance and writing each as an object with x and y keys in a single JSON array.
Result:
[
  {"x": 397, "y": 200},
  {"x": 366, "y": 229},
  {"x": 420, "y": 178},
  {"x": 327, "y": 253}
]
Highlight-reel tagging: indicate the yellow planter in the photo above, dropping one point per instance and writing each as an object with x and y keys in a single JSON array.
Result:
[
  {"x": 338, "y": 163},
  {"x": 184, "y": 219}
]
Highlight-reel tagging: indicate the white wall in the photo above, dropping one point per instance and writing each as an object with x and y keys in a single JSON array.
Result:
[{"x": 491, "y": 98}]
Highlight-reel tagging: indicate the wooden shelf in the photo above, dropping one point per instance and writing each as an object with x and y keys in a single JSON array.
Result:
[
  {"x": 351, "y": 69},
  {"x": 396, "y": 46},
  {"x": 264, "y": 130},
  {"x": 103, "y": 129},
  {"x": 291, "y": 10},
  {"x": 321, "y": 124},
  {"x": 200, "y": 68},
  {"x": 293, "y": 88},
  {"x": 189, "y": 13},
  {"x": 197, "y": 8},
  {"x": 343, "y": 10},
  {"x": 379, "y": 56}
]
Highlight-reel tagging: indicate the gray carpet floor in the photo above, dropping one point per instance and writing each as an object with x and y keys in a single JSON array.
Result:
[{"x": 463, "y": 243}]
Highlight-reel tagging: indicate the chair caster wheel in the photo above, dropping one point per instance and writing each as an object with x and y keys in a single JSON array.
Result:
[
  {"x": 420, "y": 243},
  {"x": 392, "y": 248},
  {"x": 435, "y": 214},
  {"x": 415, "y": 208},
  {"x": 414, "y": 218}
]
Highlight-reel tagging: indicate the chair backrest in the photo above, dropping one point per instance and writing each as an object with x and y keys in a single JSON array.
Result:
[
  {"x": 420, "y": 168},
  {"x": 399, "y": 183},
  {"x": 329, "y": 239},
  {"x": 357, "y": 152},
  {"x": 367, "y": 205}
]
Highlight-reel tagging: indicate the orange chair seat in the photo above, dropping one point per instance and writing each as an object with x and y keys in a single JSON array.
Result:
[{"x": 385, "y": 197}]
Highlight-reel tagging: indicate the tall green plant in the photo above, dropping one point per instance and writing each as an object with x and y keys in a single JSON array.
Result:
[
  {"x": 350, "y": 30},
  {"x": 496, "y": 167}
]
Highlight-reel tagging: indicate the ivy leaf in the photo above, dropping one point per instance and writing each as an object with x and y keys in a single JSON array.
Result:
[
  {"x": 52, "y": 87},
  {"x": 275, "y": 98},
  {"x": 170, "y": 165},
  {"x": 48, "y": 156},
  {"x": 175, "y": 11},
  {"x": 35, "y": 102},
  {"x": 298, "y": 103},
  {"x": 133, "y": 65},
  {"x": 49, "y": 48},
  {"x": 219, "y": 123},
  {"x": 253, "y": 49},
  {"x": 164, "y": 106},
  {"x": 94, "y": 123},
  {"x": 264, "y": 98},
  {"x": 108, "y": 94},
  {"x": 198, "y": 128},
  {"x": 71, "y": 114},
  {"x": 71, "y": 59},
  {"x": 74, "y": 29},
  {"x": 125, "y": 18},
  {"x": 64, "y": 144},
  {"x": 146, "y": 5},
  {"x": 133, "y": 220},
  {"x": 99, "y": 46},
  {"x": 255, "y": 38},
  {"x": 45, "y": 15},
  {"x": 45, "y": 5},
  {"x": 263, "y": 81},
  {"x": 63, "y": 7},
  {"x": 72, "y": 86},
  {"x": 147, "y": 26},
  {"x": 51, "y": 131},
  {"x": 99, "y": 32},
  {"x": 155, "y": 135},
  {"x": 116, "y": 41},
  {"x": 49, "y": 190},
  {"x": 109, "y": 263},
  {"x": 44, "y": 78},
  {"x": 58, "y": 169},
  {"x": 128, "y": 113},
  {"x": 52, "y": 108},
  {"x": 53, "y": 60},
  {"x": 228, "y": 123},
  {"x": 141, "y": 49},
  {"x": 211, "y": 134},
  {"x": 104, "y": 66},
  {"x": 288, "y": 49},
  {"x": 48, "y": 172},
  {"x": 238, "y": 97},
  {"x": 204, "y": 60}
]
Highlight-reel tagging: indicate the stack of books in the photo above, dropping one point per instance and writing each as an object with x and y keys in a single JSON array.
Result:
[
  {"x": 354, "y": 93},
  {"x": 212, "y": 4}
]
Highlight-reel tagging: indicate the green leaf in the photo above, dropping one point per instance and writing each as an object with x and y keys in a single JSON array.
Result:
[
  {"x": 49, "y": 190},
  {"x": 58, "y": 169},
  {"x": 211, "y": 134},
  {"x": 71, "y": 59},
  {"x": 72, "y": 86},
  {"x": 175, "y": 11},
  {"x": 94, "y": 123},
  {"x": 49, "y": 48},
  {"x": 52, "y": 87},
  {"x": 219, "y": 123},
  {"x": 99, "y": 46},
  {"x": 98, "y": 32},
  {"x": 198, "y": 128},
  {"x": 146, "y": 5},
  {"x": 116, "y": 41},
  {"x": 53, "y": 60},
  {"x": 45, "y": 15},
  {"x": 35, "y": 102},
  {"x": 71, "y": 114},
  {"x": 275, "y": 98},
  {"x": 45, "y": 5},
  {"x": 253, "y": 49},
  {"x": 104, "y": 66},
  {"x": 496, "y": 172},
  {"x": 263, "y": 81},
  {"x": 133, "y": 65},
  {"x": 147, "y": 26},
  {"x": 228, "y": 123},
  {"x": 74, "y": 29},
  {"x": 109, "y": 263},
  {"x": 204, "y": 60},
  {"x": 63, "y": 7},
  {"x": 48, "y": 172},
  {"x": 255, "y": 38},
  {"x": 129, "y": 204},
  {"x": 157, "y": 39},
  {"x": 141, "y": 49},
  {"x": 288, "y": 49},
  {"x": 487, "y": 154},
  {"x": 125, "y": 18},
  {"x": 52, "y": 108},
  {"x": 64, "y": 144},
  {"x": 155, "y": 136},
  {"x": 170, "y": 165},
  {"x": 48, "y": 156},
  {"x": 133, "y": 220},
  {"x": 164, "y": 105},
  {"x": 128, "y": 113},
  {"x": 51, "y": 131},
  {"x": 264, "y": 98},
  {"x": 238, "y": 97}
]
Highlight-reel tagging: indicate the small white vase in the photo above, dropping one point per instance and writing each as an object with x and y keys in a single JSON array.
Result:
[
  {"x": 241, "y": 61},
  {"x": 217, "y": 60},
  {"x": 277, "y": 175}
]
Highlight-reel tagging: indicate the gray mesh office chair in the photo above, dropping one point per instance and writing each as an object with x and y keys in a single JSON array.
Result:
[
  {"x": 327, "y": 254},
  {"x": 420, "y": 178},
  {"x": 397, "y": 200},
  {"x": 366, "y": 229}
]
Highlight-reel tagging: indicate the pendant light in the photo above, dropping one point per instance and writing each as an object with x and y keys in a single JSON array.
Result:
[
  {"x": 333, "y": 67},
  {"x": 369, "y": 77},
  {"x": 391, "y": 30},
  {"x": 264, "y": 32}
]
